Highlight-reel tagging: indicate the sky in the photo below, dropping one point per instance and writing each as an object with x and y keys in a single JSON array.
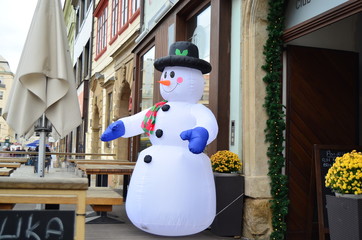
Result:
[{"x": 15, "y": 19}]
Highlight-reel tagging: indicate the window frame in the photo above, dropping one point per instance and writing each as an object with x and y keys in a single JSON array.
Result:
[
  {"x": 101, "y": 13},
  {"x": 115, "y": 15},
  {"x": 131, "y": 15}
]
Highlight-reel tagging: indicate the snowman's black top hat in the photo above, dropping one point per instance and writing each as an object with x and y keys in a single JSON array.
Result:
[{"x": 184, "y": 54}]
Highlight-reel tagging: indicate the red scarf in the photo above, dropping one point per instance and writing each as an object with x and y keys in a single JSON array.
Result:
[{"x": 148, "y": 124}]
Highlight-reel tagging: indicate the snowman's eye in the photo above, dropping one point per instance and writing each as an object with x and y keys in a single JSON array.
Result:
[
  {"x": 165, "y": 75},
  {"x": 172, "y": 74}
]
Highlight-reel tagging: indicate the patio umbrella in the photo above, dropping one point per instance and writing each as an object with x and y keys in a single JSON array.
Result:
[
  {"x": 33, "y": 144},
  {"x": 44, "y": 86}
]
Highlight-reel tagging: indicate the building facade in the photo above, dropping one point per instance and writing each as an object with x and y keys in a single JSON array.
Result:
[
  {"x": 78, "y": 17},
  {"x": 320, "y": 87},
  {"x": 230, "y": 35},
  {"x": 7, "y": 135},
  {"x": 116, "y": 26}
]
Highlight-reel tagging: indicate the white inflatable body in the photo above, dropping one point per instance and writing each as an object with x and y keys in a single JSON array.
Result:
[{"x": 173, "y": 193}]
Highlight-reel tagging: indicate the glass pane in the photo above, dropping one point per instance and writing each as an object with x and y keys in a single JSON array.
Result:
[
  {"x": 198, "y": 32},
  {"x": 147, "y": 79}
]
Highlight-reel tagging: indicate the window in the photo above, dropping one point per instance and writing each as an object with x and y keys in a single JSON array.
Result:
[
  {"x": 135, "y": 6},
  {"x": 1, "y": 95},
  {"x": 1, "y": 111},
  {"x": 124, "y": 15},
  {"x": 82, "y": 11},
  {"x": 77, "y": 24},
  {"x": 102, "y": 15},
  {"x": 198, "y": 32},
  {"x": 79, "y": 70},
  {"x": 114, "y": 27},
  {"x": 130, "y": 9},
  {"x": 87, "y": 4},
  {"x": 147, "y": 79},
  {"x": 86, "y": 62}
]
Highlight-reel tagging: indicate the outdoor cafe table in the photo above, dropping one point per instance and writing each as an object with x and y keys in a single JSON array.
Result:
[
  {"x": 25, "y": 190},
  {"x": 109, "y": 169}
]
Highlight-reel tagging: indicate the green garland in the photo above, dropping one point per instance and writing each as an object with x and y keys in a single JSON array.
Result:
[{"x": 273, "y": 50}]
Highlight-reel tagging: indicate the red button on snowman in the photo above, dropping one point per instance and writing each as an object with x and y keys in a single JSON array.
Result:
[{"x": 172, "y": 190}]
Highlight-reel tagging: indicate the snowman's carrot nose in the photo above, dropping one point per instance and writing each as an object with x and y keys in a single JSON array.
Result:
[{"x": 165, "y": 82}]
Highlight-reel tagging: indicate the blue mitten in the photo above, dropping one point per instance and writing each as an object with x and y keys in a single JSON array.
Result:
[
  {"x": 197, "y": 139},
  {"x": 113, "y": 131}
]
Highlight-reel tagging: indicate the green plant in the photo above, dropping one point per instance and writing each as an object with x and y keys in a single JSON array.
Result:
[
  {"x": 225, "y": 162},
  {"x": 345, "y": 175},
  {"x": 273, "y": 53}
]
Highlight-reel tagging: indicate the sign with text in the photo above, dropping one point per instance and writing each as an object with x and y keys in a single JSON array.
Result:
[
  {"x": 299, "y": 11},
  {"x": 37, "y": 225}
]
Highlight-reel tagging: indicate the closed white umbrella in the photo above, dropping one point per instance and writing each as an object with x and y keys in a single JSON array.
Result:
[{"x": 44, "y": 85}]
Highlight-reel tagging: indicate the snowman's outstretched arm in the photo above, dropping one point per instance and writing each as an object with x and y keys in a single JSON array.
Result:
[
  {"x": 205, "y": 130},
  {"x": 124, "y": 127}
]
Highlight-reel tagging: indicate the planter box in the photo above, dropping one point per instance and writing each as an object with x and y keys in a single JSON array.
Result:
[
  {"x": 344, "y": 218},
  {"x": 229, "y": 205}
]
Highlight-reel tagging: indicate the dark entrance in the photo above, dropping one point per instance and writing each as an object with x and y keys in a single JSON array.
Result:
[{"x": 322, "y": 108}]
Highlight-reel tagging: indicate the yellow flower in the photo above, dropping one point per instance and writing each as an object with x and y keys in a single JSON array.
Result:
[
  {"x": 345, "y": 174},
  {"x": 225, "y": 161}
]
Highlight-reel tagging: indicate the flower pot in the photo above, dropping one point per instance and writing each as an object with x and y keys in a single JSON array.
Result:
[
  {"x": 344, "y": 217},
  {"x": 229, "y": 204}
]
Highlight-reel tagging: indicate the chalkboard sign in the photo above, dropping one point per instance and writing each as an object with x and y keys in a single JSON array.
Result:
[
  {"x": 324, "y": 157},
  {"x": 37, "y": 225}
]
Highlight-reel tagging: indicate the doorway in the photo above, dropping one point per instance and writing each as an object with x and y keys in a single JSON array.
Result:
[{"x": 322, "y": 105}]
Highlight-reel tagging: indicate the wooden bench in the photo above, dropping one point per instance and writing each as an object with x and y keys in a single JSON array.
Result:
[
  {"x": 6, "y": 172},
  {"x": 10, "y": 165},
  {"x": 47, "y": 191},
  {"x": 14, "y": 159},
  {"x": 102, "y": 199}
]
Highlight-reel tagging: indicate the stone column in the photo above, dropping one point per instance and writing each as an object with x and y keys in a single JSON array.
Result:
[{"x": 257, "y": 214}]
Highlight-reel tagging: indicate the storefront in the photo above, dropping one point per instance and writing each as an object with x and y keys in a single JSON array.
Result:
[
  {"x": 321, "y": 82},
  {"x": 201, "y": 22}
]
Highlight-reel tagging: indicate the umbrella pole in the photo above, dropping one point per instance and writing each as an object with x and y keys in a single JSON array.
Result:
[
  {"x": 43, "y": 128},
  {"x": 41, "y": 155}
]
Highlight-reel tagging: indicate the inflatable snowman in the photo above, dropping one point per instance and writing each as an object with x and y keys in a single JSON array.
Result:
[{"x": 172, "y": 190}]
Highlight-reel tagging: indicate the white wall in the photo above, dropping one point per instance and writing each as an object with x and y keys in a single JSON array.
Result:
[{"x": 340, "y": 36}]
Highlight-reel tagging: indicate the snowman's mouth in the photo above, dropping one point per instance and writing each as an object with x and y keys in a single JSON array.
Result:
[{"x": 168, "y": 91}]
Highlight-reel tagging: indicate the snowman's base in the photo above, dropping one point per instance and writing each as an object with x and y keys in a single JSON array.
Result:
[{"x": 103, "y": 218}]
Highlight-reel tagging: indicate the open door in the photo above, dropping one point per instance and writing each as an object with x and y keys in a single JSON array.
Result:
[{"x": 322, "y": 108}]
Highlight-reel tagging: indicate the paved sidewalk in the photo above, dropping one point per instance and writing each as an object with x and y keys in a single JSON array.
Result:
[{"x": 122, "y": 231}]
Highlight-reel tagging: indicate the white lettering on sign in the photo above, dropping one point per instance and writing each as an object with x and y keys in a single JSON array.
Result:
[
  {"x": 54, "y": 227},
  {"x": 299, "y": 11},
  {"x": 30, "y": 230},
  {"x": 58, "y": 223},
  {"x": 15, "y": 236}
]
